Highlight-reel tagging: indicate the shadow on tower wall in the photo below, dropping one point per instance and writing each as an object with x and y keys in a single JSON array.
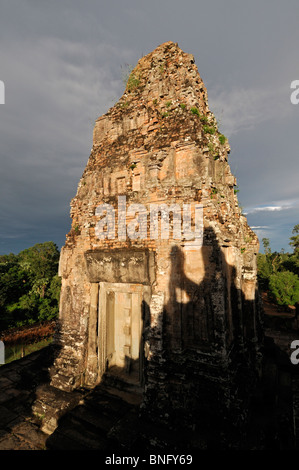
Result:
[
  {"x": 208, "y": 361},
  {"x": 203, "y": 363}
]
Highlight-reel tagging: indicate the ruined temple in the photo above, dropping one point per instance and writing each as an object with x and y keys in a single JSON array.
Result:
[{"x": 159, "y": 268}]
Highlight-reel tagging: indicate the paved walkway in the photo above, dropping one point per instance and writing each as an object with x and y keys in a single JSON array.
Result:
[
  {"x": 105, "y": 418},
  {"x": 19, "y": 427}
]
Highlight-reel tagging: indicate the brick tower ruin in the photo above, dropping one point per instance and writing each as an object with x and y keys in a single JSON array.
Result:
[{"x": 141, "y": 299}]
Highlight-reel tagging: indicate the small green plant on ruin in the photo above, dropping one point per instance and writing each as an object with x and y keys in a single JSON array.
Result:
[
  {"x": 213, "y": 151},
  {"x": 194, "y": 110},
  {"x": 168, "y": 103},
  {"x": 126, "y": 72},
  {"x": 203, "y": 118},
  {"x": 211, "y": 147},
  {"x": 214, "y": 192},
  {"x": 162, "y": 68},
  {"x": 130, "y": 78},
  {"x": 39, "y": 416},
  {"x": 182, "y": 105},
  {"x": 164, "y": 114},
  {"x": 124, "y": 105},
  {"x": 222, "y": 139},
  {"x": 133, "y": 82},
  {"x": 133, "y": 166},
  {"x": 209, "y": 130}
]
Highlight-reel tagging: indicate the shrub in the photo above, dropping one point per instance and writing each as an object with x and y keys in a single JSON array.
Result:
[
  {"x": 125, "y": 104},
  {"x": 203, "y": 118},
  {"x": 133, "y": 82},
  {"x": 222, "y": 139},
  {"x": 194, "y": 110},
  {"x": 29, "y": 285},
  {"x": 209, "y": 130},
  {"x": 284, "y": 288}
]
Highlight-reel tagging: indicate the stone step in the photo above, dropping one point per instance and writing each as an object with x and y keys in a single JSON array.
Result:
[
  {"x": 63, "y": 382},
  {"x": 95, "y": 418},
  {"x": 74, "y": 434},
  {"x": 105, "y": 421},
  {"x": 87, "y": 426},
  {"x": 131, "y": 391}
]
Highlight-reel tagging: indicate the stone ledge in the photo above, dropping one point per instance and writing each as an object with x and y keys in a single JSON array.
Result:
[{"x": 52, "y": 403}]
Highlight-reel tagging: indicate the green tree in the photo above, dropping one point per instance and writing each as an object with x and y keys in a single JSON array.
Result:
[
  {"x": 46, "y": 310},
  {"x": 41, "y": 260},
  {"x": 24, "y": 311},
  {"x": 284, "y": 288},
  {"x": 54, "y": 289},
  {"x": 264, "y": 272},
  {"x": 291, "y": 261},
  {"x": 29, "y": 285},
  {"x": 13, "y": 283},
  {"x": 294, "y": 240},
  {"x": 266, "y": 245},
  {"x": 267, "y": 264}
]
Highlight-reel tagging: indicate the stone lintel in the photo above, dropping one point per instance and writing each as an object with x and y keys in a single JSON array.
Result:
[{"x": 128, "y": 266}]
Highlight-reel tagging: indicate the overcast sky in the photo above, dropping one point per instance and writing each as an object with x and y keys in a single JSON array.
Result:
[{"x": 62, "y": 60}]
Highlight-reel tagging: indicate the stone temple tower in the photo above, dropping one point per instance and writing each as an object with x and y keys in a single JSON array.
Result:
[{"x": 159, "y": 267}]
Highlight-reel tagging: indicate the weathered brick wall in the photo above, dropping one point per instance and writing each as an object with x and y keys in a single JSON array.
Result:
[{"x": 160, "y": 144}]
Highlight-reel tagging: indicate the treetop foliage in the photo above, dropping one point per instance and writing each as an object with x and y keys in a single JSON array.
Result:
[
  {"x": 29, "y": 285},
  {"x": 278, "y": 272}
]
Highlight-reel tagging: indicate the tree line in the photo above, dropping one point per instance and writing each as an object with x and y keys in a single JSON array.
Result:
[
  {"x": 29, "y": 286},
  {"x": 278, "y": 272}
]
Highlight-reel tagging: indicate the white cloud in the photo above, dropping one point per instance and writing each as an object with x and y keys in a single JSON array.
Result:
[
  {"x": 263, "y": 209},
  {"x": 276, "y": 206}
]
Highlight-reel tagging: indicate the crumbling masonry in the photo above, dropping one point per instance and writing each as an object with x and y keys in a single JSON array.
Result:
[{"x": 180, "y": 319}]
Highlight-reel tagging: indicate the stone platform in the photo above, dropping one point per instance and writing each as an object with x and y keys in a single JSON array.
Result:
[
  {"x": 19, "y": 427},
  {"x": 36, "y": 416}
]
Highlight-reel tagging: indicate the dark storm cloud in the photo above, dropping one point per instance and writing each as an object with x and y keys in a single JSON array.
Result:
[{"x": 61, "y": 62}]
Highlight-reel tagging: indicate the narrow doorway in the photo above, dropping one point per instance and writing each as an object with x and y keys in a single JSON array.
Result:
[{"x": 121, "y": 322}]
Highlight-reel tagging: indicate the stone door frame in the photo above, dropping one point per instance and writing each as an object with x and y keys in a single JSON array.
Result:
[
  {"x": 129, "y": 266},
  {"x": 102, "y": 321}
]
